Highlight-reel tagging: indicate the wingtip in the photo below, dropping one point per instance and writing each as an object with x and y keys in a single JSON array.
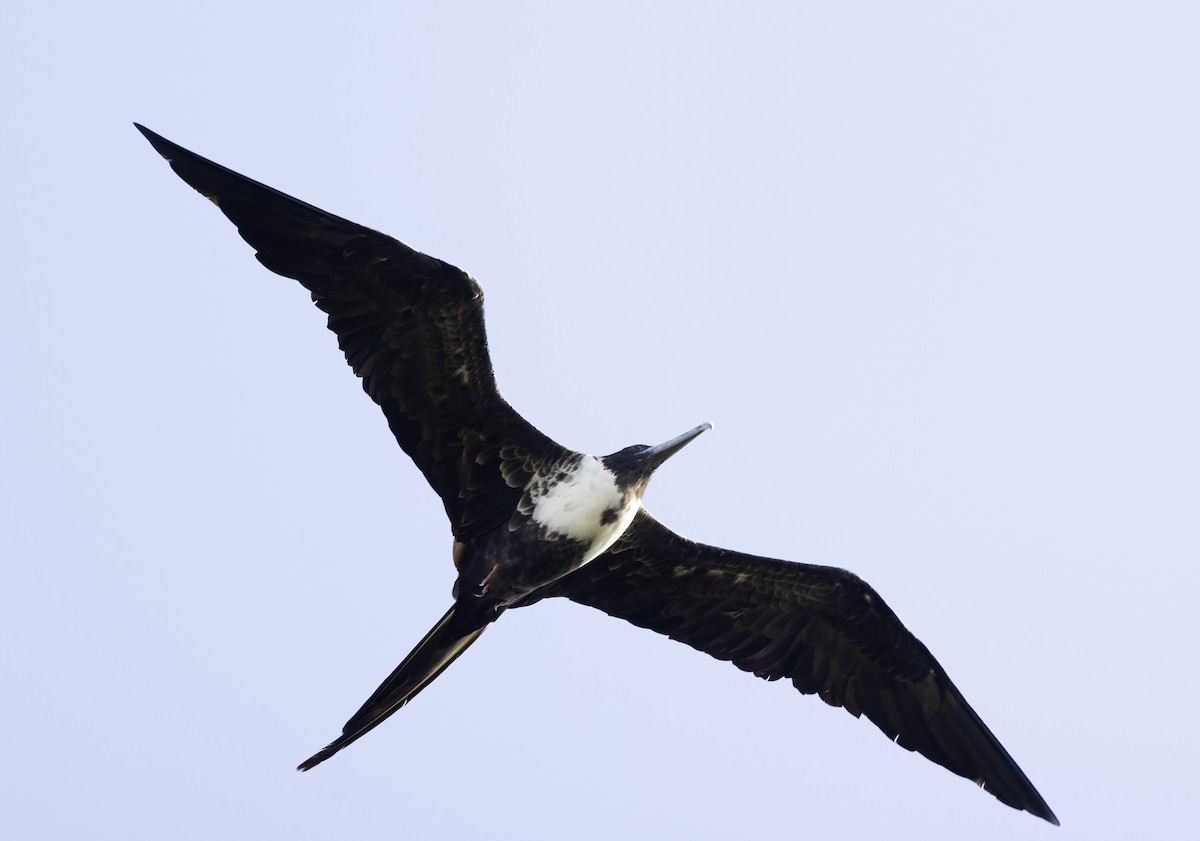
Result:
[
  {"x": 1033, "y": 804},
  {"x": 160, "y": 143},
  {"x": 1045, "y": 814}
]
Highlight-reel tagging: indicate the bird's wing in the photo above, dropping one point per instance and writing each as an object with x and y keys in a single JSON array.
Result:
[
  {"x": 411, "y": 327},
  {"x": 823, "y": 628}
]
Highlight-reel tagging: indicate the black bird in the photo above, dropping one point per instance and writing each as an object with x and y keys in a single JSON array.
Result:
[{"x": 532, "y": 519}]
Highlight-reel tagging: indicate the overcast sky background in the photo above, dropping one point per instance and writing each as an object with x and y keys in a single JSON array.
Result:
[{"x": 930, "y": 268}]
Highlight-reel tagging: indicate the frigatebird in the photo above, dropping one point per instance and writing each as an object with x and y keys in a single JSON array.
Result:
[{"x": 532, "y": 519}]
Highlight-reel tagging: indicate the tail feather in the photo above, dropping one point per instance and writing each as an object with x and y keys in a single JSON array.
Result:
[{"x": 449, "y": 638}]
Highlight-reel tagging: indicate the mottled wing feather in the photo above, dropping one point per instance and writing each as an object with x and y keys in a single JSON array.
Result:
[
  {"x": 410, "y": 325},
  {"x": 823, "y": 628}
]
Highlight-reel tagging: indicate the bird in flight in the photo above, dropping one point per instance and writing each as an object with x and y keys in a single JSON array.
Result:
[{"x": 532, "y": 519}]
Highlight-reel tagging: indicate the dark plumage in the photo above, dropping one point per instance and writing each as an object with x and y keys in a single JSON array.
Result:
[
  {"x": 823, "y": 628},
  {"x": 412, "y": 328}
]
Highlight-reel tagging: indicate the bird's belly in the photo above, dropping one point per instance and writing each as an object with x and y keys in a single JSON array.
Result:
[
  {"x": 531, "y": 555},
  {"x": 609, "y": 533},
  {"x": 559, "y": 552},
  {"x": 569, "y": 516}
]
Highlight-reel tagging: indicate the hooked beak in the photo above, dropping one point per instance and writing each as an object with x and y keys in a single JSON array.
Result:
[{"x": 655, "y": 456}]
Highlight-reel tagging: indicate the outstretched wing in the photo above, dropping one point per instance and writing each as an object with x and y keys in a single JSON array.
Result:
[
  {"x": 823, "y": 628},
  {"x": 410, "y": 325}
]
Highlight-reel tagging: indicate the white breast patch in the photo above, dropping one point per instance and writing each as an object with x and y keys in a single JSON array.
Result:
[{"x": 575, "y": 506}]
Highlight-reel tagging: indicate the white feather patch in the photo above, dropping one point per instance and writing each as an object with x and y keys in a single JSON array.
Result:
[{"x": 575, "y": 507}]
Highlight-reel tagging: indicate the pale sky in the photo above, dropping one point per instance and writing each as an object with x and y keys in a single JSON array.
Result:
[{"x": 930, "y": 268}]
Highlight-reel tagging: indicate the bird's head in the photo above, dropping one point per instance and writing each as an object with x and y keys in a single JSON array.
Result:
[{"x": 634, "y": 465}]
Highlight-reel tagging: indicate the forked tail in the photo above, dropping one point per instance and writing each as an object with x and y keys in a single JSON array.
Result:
[{"x": 449, "y": 638}]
